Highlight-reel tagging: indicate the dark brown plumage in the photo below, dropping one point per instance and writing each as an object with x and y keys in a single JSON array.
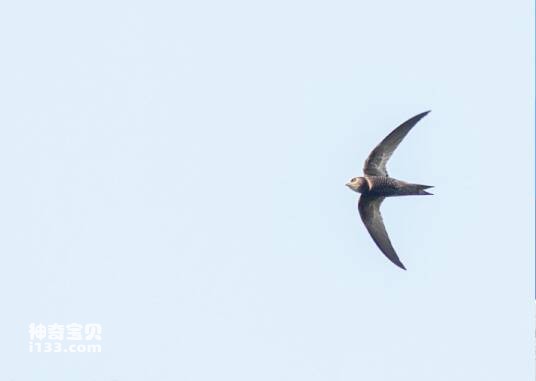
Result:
[{"x": 376, "y": 185}]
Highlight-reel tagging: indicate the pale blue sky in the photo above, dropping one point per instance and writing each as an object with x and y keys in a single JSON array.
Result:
[{"x": 175, "y": 172}]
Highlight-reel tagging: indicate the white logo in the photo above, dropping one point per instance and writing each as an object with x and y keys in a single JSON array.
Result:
[{"x": 59, "y": 337}]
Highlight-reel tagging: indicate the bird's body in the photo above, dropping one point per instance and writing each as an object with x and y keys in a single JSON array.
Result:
[
  {"x": 376, "y": 185},
  {"x": 388, "y": 187}
]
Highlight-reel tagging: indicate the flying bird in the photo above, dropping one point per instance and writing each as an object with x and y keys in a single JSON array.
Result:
[{"x": 376, "y": 185}]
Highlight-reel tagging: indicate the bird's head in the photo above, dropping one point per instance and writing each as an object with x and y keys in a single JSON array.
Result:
[{"x": 357, "y": 184}]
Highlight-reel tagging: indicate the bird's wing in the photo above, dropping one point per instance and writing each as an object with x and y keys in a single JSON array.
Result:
[
  {"x": 369, "y": 209},
  {"x": 377, "y": 159}
]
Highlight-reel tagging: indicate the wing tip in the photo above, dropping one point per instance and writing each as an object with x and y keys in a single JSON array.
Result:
[
  {"x": 423, "y": 114},
  {"x": 396, "y": 261}
]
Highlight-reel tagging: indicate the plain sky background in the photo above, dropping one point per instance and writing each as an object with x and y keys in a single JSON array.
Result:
[{"x": 175, "y": 172}]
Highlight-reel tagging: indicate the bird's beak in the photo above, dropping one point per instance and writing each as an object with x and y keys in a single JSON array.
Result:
[{"x": 347, "y": 184}]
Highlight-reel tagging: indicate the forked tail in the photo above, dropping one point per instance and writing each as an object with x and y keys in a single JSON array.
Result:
[{"x": 417, "y": 190}]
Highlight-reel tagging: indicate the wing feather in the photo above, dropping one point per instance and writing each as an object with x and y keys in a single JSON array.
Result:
[
  {"x": 369, "y": 210},
  {"x": 375, "y": 165}
]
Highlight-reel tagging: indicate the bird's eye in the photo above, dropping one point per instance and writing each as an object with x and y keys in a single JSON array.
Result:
[{"x": 353, "y": 180}]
